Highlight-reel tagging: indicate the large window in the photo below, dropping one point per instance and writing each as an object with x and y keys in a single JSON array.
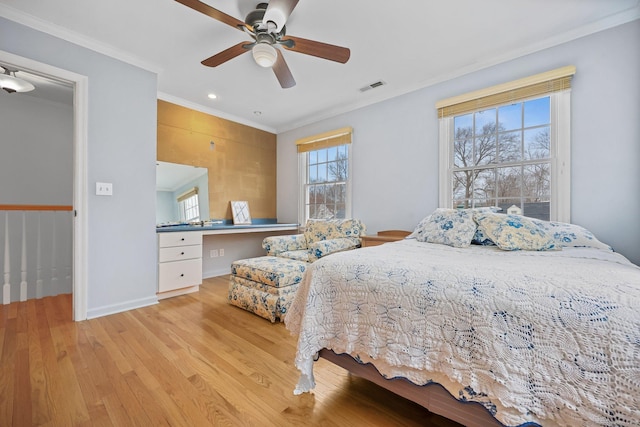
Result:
[
  {"x": 324, "y": 172},
  {"x": 502, "y": 157},
  {"x": 509, "y": 145}
]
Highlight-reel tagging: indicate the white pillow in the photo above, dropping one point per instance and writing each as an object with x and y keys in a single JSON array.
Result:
[{"x": 447, "y": 227}]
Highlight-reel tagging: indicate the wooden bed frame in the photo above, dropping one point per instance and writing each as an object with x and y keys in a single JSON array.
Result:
[{"x": 433, "y": 397}]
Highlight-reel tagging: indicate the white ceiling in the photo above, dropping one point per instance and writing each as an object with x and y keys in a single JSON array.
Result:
[{"x": 408, "y": 44}]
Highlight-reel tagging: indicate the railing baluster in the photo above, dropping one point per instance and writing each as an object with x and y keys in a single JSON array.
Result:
[
  {"x": 23, "y": 262},
  {"x": 54, "y": 272},
  {"x": 39, "y": 258},
  {"x": 44, "y": 285},
  {"x": 6, "y": 288}
]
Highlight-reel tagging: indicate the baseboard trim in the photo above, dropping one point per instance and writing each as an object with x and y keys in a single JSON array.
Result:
[
  {"x": 119, "y": 308},
  {"x": 215, "y": 273}
]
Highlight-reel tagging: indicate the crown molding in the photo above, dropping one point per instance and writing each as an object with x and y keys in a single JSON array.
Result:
[
  {"x": 612, "y": 21},
  {"x": 207, "y": 110},
  {"x": 76, "y": 38}
]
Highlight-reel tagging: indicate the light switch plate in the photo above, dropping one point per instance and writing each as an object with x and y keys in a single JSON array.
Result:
[{"x": 104, "y": 189}]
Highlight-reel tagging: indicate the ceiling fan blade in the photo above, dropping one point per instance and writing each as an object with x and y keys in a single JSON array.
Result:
[
  {"x": 278, "y": 12},
  {"x": 213, "y": 13},
  {"x": 227, "y": 54},
  {"x": 282, "y": 72},
  {"x": 319, "y": 49}
]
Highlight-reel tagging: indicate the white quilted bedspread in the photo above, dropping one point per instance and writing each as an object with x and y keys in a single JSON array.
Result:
[{"x": 545, "y": 337}]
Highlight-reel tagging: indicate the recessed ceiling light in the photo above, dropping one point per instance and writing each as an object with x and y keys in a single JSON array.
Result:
[{"x": 212, "y": 96}]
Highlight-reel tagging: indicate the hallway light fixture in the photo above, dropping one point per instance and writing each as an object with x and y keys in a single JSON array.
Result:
[{"x": 10, "y": 83}]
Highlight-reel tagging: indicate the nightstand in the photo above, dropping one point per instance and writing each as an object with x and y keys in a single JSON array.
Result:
[{"x": 384, "y": 237}]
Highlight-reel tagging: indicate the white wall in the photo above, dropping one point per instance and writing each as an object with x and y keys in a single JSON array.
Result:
[
  {"x": 121, "y": 149},
  {"x": 36, "y": 151},
  {"x": 395, "y": 143}
]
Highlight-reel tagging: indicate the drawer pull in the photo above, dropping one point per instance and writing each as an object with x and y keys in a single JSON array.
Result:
[
  {"x": 182, "y": 239},
  {"x": 181, "y": 253},
  {"x": 182, "y": 275}
]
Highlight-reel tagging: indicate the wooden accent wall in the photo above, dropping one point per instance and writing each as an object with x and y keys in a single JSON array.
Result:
[{"x": 242, "y": 164}]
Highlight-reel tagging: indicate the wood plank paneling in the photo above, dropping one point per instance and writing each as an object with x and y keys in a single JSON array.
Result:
[
  {"x": 191, "y": 360},
  {"x": 242, "y": 163}
]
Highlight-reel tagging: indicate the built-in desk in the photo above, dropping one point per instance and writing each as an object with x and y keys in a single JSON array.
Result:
[{"x": 181, "y": 249}]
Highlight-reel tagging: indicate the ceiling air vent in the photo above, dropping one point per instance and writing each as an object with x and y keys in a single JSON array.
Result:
[{"x": 372, "y": 86}]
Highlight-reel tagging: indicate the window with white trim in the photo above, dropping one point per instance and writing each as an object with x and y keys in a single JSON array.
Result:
[
  {"x": 509, "y": 145},
  {"x": 188, "y": 205},
  {"x": 325, "y": 185}
]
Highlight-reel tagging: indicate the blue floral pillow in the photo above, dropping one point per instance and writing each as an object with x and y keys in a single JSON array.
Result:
[
  {"x": 571, "y": 235},
  {"x": 515, "y": 232},
  {"x": 419, "y": 228},
  {"x": 447, "y": 227},
  {"x": 479, "y": 238}
]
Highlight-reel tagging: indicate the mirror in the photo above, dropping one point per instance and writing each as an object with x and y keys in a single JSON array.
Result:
[{"x": 175, "y": 181}]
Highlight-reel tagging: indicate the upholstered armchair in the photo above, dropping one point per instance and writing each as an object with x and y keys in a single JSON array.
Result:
[{"x": 320, "y": 238}]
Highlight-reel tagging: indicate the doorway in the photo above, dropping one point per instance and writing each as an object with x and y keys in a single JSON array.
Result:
[{"x": 79, "y": 83}]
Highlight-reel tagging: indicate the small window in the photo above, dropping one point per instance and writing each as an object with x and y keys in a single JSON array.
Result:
[
  {"x": 325, "y": 177},
  {"x": 189, "y": 207},
  {"x": 326, "y": 183}
]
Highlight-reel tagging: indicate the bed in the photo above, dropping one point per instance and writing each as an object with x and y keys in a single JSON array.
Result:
[{"x": 541, "y": 331}]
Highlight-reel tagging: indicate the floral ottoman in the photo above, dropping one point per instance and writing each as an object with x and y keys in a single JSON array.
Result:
[{"x": 265, "y": 285}]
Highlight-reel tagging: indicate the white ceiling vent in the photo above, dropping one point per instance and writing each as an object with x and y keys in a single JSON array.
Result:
[{"x": 372, "y": 86}]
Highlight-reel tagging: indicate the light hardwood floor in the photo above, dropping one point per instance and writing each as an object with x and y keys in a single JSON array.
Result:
[{"x": 191, "y": 360}]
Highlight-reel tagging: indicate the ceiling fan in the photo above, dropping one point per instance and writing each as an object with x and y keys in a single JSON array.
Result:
[{"x": 266, "y": 26}]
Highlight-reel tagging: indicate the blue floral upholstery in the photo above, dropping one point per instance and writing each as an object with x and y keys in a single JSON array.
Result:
[
  {"x": 318, "y": 229},
  {"x": 325, "y": 247},
  {"x": 320, "y": 238},
  {"x": 301, "y": 255},
  {"x": 277, "y": 245},
  {"x": 271, "y": 271},
  {"x": 265, "y": 285}
]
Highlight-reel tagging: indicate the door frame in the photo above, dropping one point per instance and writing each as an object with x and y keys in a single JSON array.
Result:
[{"x": 80, "y": 85}]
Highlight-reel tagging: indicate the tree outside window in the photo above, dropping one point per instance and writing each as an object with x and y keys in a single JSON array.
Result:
[
  {"x": 501, "y": 157},
  {"x": 326, "y": 186}
]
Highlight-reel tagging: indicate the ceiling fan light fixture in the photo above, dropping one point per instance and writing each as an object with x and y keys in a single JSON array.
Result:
[
  {"x": 264, "y": 54},
  {"x": 10, "y": 83}
]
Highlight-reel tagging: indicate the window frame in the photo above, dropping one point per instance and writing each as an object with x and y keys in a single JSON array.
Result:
[
  {"x": 337, "y": 138},
  {"x": 560, "y": 144},
  {"x": 186, "y": 198}
]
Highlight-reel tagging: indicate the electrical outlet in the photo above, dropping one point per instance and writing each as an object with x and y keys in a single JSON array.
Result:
[
  {"x": 104, "y": 189},
  {"x": 213, "y": 253},
  {"x": 221, "y": 252}
]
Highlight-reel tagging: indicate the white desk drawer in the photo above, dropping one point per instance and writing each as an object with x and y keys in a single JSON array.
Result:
[
  {"x": 179, "y": 274},
  {"x": 179, "y": 238},
  {"x": 178, "y": 253}
]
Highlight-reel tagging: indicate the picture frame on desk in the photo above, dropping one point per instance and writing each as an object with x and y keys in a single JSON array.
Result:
[{"x": 240, "y": 212}]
